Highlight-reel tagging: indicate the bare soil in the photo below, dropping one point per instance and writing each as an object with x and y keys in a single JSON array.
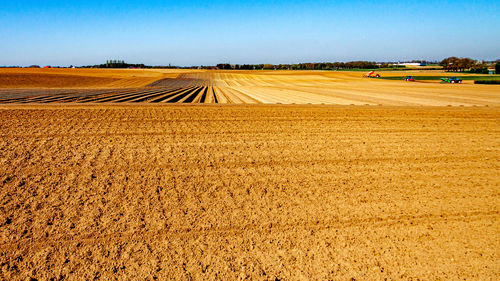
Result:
[
  {"x": 12, "y": 78},
  {"x": 257, "y": 192},
  {"x": 30, "y": 80}
]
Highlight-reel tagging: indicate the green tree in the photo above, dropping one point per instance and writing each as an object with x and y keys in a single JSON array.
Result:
[
  {"x": 497, "y": 68},
  {"x": 450, "y": 64},
  {"x": 465, "y": 63},
  {"x": 457, "y": 64}
]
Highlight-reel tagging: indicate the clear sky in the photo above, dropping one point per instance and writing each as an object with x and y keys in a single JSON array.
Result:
[{"x": 209, "y": 32}]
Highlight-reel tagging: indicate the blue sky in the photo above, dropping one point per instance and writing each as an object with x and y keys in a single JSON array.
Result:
[{"x": 210, "y": 32}]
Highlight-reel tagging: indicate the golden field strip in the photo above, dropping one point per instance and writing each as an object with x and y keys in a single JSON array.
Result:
[
  {"x": 99, "y": 181},
  {"x": 235, "y": 87}
]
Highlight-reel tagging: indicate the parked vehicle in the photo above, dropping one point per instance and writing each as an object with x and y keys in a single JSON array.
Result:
[
  {"x": 371, "y": 74},
  {"x": 451, "y": 80}
]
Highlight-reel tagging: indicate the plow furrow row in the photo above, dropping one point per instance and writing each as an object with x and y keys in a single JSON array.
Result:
[{"x": 191, "y": 92}]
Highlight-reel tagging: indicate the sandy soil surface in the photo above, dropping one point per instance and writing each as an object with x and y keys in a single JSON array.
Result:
[{"x": 258, "y": 192}]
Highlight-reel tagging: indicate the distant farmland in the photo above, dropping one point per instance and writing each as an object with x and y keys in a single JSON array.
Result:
[
  {"x": 236, "y": 87},
  {"x": 468, "y": 77}
]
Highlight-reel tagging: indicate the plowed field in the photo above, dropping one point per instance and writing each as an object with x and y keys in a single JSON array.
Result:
[
  {"x": 262, "y": 192},
  {"x": 243, "y": 87},
  {"x": 81, "y": 78}
]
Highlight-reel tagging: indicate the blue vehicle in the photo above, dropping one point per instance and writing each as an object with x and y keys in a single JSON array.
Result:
[{"x": 452, "y": 80}]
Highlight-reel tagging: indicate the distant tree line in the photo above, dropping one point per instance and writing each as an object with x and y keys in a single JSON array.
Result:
[
  {"x": 116, "y": 64},
  {"x": 120, "y": 64},
  {"x": 123, "y": 64},
  {"x": 448, "y": 64},
  {"x": 308, "y": 66},
  {"x": 464, "y": 65}
]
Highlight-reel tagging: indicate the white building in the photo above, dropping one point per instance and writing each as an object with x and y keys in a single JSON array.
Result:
[{"x": 411, "y": 64}]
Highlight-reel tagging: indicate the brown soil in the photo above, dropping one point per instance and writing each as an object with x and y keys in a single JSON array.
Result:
[
  {"x": 30, "y": 80},
  {"x": 258, "y": 192},
  {"x": 81, "y": 78}
]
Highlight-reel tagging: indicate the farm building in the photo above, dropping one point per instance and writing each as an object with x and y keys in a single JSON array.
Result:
[{"x": 411, "y": 64}]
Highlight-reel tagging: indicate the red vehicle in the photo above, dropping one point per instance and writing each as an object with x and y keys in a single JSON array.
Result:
[
  {"x": 371, "y": 75},
  {"x": 410, "y": 78}
]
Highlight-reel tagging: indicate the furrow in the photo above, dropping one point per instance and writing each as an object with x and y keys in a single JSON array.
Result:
[
  {"x": 179, "y": 96},
  {"x": 167, "y": 96},
  {"x": 190, "y": 97}
]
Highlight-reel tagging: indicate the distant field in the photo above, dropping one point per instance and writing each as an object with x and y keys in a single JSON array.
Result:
[
  {"x": 34, "y": 80},
  {"x": 469, "y": 77},
  {"x": 238, "y": 87},
  {"x": 14, "y": 78}
]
